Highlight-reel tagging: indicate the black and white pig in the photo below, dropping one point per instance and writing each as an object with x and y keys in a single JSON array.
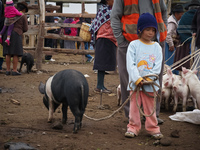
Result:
[
  {"x": 69, "y": 88},
  {"x": 27, "y": 59}
]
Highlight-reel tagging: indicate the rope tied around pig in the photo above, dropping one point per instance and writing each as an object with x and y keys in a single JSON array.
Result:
[{"x": 137, "y": 89}]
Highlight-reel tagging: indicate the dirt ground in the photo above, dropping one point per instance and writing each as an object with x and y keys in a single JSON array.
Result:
[{"x": 27, "y": 122}]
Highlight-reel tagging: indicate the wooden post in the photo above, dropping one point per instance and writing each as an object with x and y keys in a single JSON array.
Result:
[
  {"x": 32, "y": 20},
  {"x": 40, "y": 41}
]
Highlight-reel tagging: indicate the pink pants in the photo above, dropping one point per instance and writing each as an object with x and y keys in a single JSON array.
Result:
[{"x": 134, "y": 114}]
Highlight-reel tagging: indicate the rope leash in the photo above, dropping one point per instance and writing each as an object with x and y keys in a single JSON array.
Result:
[{"x": 137, "y": 89}]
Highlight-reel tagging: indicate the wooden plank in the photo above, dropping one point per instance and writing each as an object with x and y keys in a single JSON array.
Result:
[
  {"x": 32, "y": 29},
  {"x": 75, "y": 1},
  {"x": 62, "y": 25},
  {"x": 71, "y": 15},
  {"x": 33, "y": 12},
  {"x": 63, "y": 37},
  {"x": 69, "y": 51}
]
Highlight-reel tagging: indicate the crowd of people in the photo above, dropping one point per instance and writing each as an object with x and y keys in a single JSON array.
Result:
[{"x": 137, "y": 36}]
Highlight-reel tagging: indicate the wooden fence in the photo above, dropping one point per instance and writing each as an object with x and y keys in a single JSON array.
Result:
[{"x": 34, "y": 37}]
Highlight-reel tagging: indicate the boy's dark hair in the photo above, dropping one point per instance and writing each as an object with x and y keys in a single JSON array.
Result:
[
  {"x": 21, "y": 7},
  {"x": 103, "y": 2}
]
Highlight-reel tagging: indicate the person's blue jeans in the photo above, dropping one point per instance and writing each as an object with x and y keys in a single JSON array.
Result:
[{"x": 89, "y": 57}]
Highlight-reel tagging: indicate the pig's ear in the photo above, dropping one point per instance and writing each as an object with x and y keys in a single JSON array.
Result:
[
  {"x": 195, "y": 71},
  {"x": 184, "y": 70},
  {"x": 41, "y": 88},
  {"x": 169, "y": 72}
]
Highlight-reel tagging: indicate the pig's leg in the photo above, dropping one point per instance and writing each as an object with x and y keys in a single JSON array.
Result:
[
  {"x": 184, "y": 103},
  {"x": 77, "y": 115},
  {"x": 51, "y": 110},
  {"x": 28, "y": 66},
  {"x": 64, "y": 111},
  {"x": 194, "y": 102},
  {"x": 22, "y": 62},
  {"x": 175, "y": 102},
  {"x": 167, "y": 103}
]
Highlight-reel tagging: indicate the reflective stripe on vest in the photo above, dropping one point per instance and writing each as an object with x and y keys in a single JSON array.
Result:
[{"x": 131, "y": 16}]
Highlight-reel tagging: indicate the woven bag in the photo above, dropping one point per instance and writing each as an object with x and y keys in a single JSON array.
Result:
[{"x": 84, "y": 32}]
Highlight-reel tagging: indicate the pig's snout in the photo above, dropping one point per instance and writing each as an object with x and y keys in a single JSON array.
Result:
[
  {"x": 166, "y": 84},
  {"x": 175, "y": 88},
  {"x": 163, "y": 92}
]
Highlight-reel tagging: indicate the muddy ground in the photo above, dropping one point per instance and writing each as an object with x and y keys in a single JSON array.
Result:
[{"x": 27, "y": 122}]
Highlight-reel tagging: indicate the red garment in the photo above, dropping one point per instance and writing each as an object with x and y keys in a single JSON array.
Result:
[
  {"x": 11, "y": 11},
  {"x": 105, "y": 31},
  {"x": 151, "y": 124}
]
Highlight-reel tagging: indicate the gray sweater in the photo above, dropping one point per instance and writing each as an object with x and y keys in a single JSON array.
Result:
[{"x": 118, "y": 11}]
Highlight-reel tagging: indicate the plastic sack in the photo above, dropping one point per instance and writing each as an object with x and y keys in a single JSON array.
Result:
[{"x": 188, "y": 116}]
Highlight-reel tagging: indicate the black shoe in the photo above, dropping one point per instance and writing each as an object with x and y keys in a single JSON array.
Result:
[
  {"x": 16, "y": 73},
  {"x": 7, "y": 73},
  {"x": 160, "y": 121}
]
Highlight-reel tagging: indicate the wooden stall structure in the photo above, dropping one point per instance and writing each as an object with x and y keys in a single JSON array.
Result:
[{"x": 37, "y": 30}]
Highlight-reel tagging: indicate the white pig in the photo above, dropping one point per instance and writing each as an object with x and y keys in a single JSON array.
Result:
[
  {"x": 181, "y": 90},
  {"x": 119, "y": 94},
  {"x": 166, "y": 94},
  {"x": 168, "y": 77},
  {"x": 193, "y": 82}
]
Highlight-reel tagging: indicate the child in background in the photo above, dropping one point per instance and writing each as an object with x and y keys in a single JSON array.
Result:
[
  {"x": 10, "y": 12},
  {"x": 144, "y": 57}
]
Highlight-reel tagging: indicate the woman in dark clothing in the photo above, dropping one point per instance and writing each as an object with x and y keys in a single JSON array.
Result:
[
  {"x": 15, "y": 49},
  {"x": 185, "y": 32},
  {"x": 105, "y": 44},
  {"x": 196, "y": 33}
]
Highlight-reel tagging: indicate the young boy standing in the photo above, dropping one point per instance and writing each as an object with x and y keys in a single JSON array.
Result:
[{"x": 144, "y": 57}]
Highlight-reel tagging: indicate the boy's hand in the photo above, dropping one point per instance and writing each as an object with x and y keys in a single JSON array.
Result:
[{"x": 142, "y": 82}]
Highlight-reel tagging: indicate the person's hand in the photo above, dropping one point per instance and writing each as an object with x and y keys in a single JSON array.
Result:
[
  {"x": 171, "y": 48},
  {"x": 194, "y": 34},
  {"x": 141, "y": 83}
]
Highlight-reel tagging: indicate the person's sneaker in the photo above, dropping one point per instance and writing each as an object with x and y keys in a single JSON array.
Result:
[
  {"x": 96, "y": 90},
  {"x": 160, "y": 121},
  {"x": 7, "y": 42},
  {"x": 157, "y": 136},
  {"x": 91, "y": 60},
  {"x": 130, "y": 134},
  {"x": 15, "y": 73},
  {"x": 0, "y": 40},
  {"x": 7, "y": 73},
  {"x": 52, "y": 59},
  {"x": 106, "y": 91}
]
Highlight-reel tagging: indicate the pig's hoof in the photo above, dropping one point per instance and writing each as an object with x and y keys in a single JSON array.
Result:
[
  {"x": 75, "y": 131},
  {"x": 64, "y": 121},
  {"x": 49, "y": 121}
]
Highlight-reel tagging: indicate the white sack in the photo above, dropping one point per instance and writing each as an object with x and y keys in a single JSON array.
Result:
[{"x": 188, "y": 116}]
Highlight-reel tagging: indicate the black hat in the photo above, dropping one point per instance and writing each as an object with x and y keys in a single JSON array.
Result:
[
  {"x": 193, "y": 3},
  {"x": 177, "y": 8},
  {"x": 24, "y": 4}
]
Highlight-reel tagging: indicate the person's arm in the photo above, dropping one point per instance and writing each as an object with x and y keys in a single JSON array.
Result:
[
  {"x": 25, "y": 21},
  {"x": 194, "y": 23},
  {"x": 170, "y": 31},
  {"x": 131, "y": 64},
  {"x": 116, "y": 15},
  {"x": 164, "y": 11}
]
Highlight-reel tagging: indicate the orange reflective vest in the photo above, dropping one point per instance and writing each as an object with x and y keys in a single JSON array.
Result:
[{"x": 131, "y": 16}]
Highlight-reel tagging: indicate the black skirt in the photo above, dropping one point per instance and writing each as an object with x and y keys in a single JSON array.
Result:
[
  {"x": 15, "y": 47},
  {"x": 105, "y": 55}
]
